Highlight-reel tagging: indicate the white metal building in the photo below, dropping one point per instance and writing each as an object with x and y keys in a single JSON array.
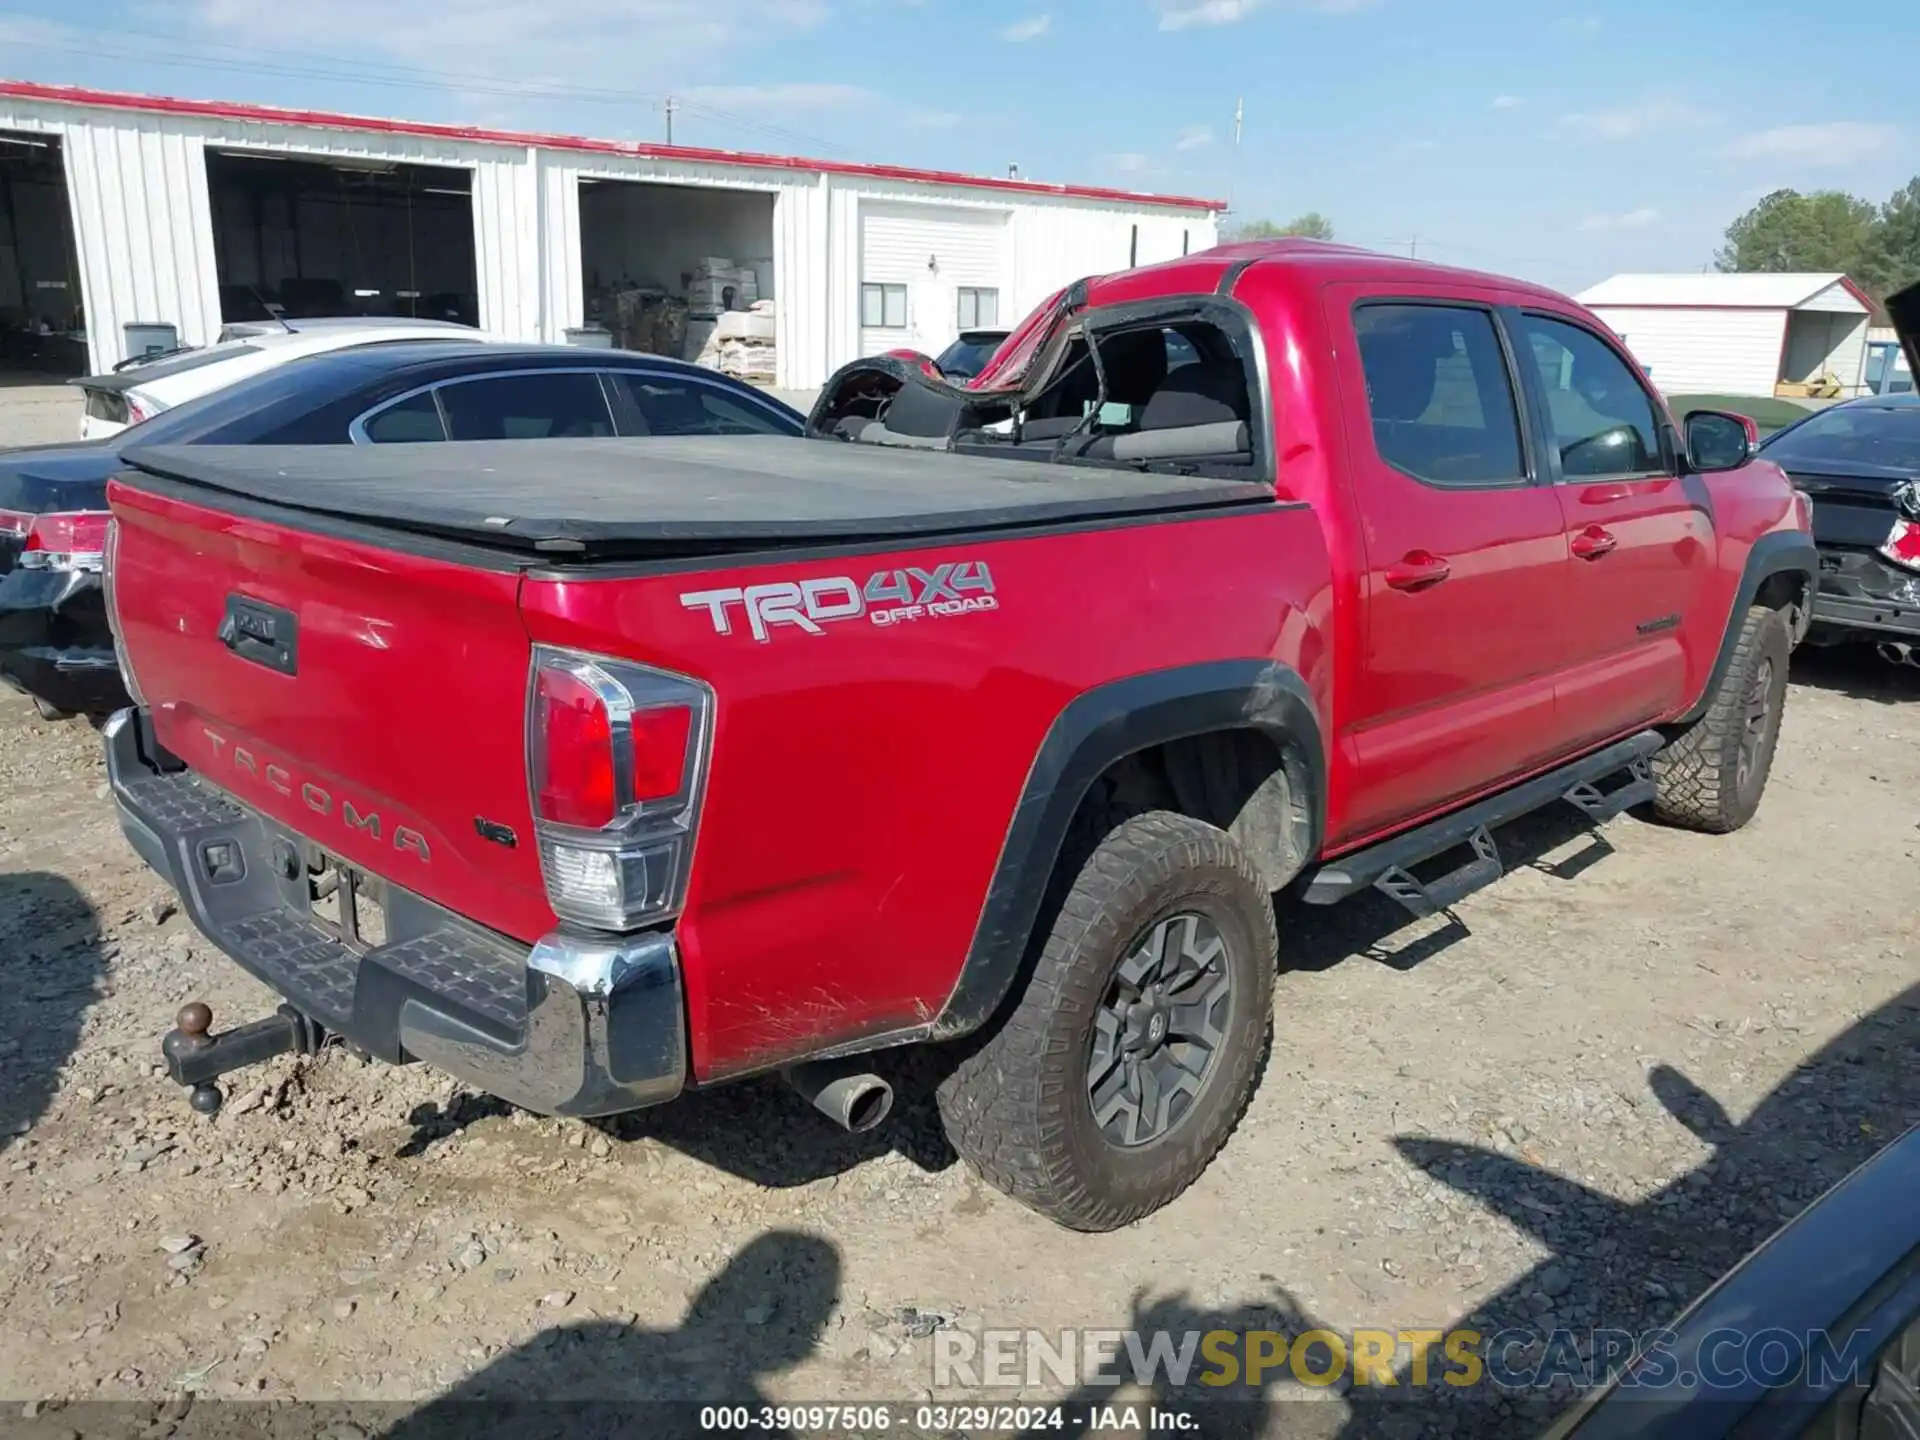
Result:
[
  {"x": 191, "y": 213},
  {"x": 1738, "y": 334}
]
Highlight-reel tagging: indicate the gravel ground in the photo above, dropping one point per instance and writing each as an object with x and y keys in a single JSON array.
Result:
[
  {"x": 1633, "y": 1059},
  {"x": 1640, "y": 1054},
  {"x": 35, "y": 410}
]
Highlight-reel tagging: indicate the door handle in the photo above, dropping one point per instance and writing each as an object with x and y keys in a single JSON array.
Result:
[
  {"x": 1593, "y": 542},
  {"x": 1605, "y": 494},
  {"x": 1418, "y": 570}
]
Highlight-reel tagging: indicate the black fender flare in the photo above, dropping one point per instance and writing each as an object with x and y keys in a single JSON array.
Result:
[
  {"x": 1099, "y": 727},
  {"x": 1782, "y": 552}
]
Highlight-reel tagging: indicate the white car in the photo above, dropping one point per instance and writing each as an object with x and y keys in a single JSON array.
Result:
[{"x": 137, "y": 392}]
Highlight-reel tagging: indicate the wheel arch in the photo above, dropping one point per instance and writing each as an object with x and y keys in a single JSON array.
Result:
[
  {"x": 1779, "y": 573},
  {"x": 1191, "y": 738}
]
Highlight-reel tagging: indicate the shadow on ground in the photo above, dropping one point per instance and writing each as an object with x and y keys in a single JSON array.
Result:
[
  {"x": 1856, "y": 669},
  {"x": 50, "y": 939},
  {"x": 1557, "y": 840},
  {"x": 762, "y": 1315},
  {"x": 759, "y": 1130},
  {"x": 1615, "y": 1265}
]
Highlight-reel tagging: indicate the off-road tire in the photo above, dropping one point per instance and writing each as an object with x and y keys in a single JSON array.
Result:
[
  {"x": 1017, "y": 1105},
  {"x": 1700, "y": 779}
]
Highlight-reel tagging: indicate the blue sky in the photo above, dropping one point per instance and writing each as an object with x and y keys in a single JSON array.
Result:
[{"x": 1561, "y": 140}]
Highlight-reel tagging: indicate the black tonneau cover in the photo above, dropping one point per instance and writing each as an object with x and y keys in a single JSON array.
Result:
[{"x": 651, "y": 494}]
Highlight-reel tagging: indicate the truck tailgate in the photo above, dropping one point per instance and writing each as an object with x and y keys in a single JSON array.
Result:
[{"x": 352, "y": 693}]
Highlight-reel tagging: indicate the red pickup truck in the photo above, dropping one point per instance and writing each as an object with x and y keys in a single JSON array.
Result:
[{"x": 987, "y": 718}]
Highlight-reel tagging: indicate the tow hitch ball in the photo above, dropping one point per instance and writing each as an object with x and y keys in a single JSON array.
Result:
[{"x": 196, "y": 1058}]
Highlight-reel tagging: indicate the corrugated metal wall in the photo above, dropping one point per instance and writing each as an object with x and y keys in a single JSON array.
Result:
[
  {"x": 137, "y": 185},
  {"x": 929, "y": 251},
  {"x": 1703, "y": 352},
  {"x": 144, "y": 232}
]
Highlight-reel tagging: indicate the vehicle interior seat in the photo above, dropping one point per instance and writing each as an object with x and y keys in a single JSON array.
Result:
[
  {"x": 1199, "y": 412},
  {"x": 918, "y": 417},
  {"x": 1443, "y": 436},
  {"x": 1136, "y": 365}
]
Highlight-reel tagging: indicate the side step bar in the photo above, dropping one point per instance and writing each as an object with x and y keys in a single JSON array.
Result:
[{"x": 1584, "y": 784}]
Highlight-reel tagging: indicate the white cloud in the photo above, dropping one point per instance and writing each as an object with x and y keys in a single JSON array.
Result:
[
  {"x": 1183, "y": 14},
  {"x": 1831, "y": 145},
  {"x": 1641, "y": 219},
  {"x": 1631, "y": 122},
  {"x": 1032, "y": 28},
  {"x": 1194, "y": 137},
  {"x": 1507, "y": 102},
  {"x": 1128, "y": 162}
]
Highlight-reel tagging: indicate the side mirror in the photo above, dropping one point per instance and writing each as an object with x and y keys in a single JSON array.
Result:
[{"x": 1720, "y": 440}]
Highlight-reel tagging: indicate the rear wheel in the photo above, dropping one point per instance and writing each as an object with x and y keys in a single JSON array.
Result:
[
  {"x": 1121, "y": 1069},
  {"x": 1712, "y": 776}
]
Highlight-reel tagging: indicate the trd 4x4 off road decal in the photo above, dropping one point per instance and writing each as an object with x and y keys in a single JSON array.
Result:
[{"x": 890, "y": 597}]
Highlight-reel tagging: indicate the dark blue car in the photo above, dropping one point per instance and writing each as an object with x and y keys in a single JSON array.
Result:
[
  {"x": 54, "y": 640},
  {"x": 1859, "y": 463}
]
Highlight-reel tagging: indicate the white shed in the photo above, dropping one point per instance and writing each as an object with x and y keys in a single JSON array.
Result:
[
  {"x": 1739, "y": 334},
  {"x": 173, "y": 217}
]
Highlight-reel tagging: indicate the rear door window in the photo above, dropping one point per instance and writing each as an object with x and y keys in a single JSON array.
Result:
[
  {"x": 410, "y": 420},
  {"x": 1439, "y": 394},
  {"x": 661, "y": 404},
  {"x": 551, "y": 405}
]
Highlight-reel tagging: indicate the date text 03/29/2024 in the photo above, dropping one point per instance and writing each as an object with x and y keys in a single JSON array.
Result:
[{"x": 950, "y": 1419}]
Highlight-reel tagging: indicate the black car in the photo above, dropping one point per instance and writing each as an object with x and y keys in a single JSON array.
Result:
[
  {"x": 1859, "y": 462},
  {"x": 54, "y": 640},
  {"x": 1815, "y": 1336},
  {"x": 968, "y": 355}
]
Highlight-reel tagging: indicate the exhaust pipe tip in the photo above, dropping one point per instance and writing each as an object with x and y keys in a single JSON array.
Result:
[
  {"x": 856, "y": 1100},
  {"x": 1898, "y": 652}
]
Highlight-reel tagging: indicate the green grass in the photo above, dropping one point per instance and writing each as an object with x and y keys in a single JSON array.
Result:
[{"x": 1769, "y": 414}]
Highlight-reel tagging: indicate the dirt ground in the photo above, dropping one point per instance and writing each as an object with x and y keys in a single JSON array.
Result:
[
  {"x": 1638, "y": 1054},
  {"x": 1635, "y": 1057}
]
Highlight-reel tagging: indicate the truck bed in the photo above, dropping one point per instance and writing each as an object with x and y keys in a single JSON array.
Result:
[{"x": 657, "y": 495}]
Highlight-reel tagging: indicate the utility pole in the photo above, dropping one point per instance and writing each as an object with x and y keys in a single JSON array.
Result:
[
  {"x": 1413, "y": 248},
  {"x": 669, "y": 119},
  {"x": 1233, "y": 157}
]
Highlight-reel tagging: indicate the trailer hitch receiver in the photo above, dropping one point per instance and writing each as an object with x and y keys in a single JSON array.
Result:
[{"x": 196, "y": 1057}]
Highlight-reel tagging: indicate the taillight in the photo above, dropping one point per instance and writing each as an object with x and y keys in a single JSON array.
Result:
[
  {"x": 1903, "y": 544},
  {"x": 616, "y": 753},
  {"x": 60, "y": 540}
]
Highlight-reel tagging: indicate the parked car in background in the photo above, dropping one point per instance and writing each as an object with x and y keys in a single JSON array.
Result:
[
  {"x": 993, "y": 718},
  {"x": 136, "y": 392},
  {"x": 968, "y": 355},
  {"x": 1859, "y": 462},
  {"x": 54, "y": 639}
]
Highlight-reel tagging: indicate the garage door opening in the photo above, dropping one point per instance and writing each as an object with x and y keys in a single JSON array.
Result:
[
  {"x": 43, "y": 329},
  {"x": 681, "y": 270},
  {"x": 1825, "y": 352},
  {"x": 308, "y": 238}
]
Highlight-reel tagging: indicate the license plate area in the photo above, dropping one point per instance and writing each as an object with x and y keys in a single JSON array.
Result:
[{"x": 349, "y": 902}]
